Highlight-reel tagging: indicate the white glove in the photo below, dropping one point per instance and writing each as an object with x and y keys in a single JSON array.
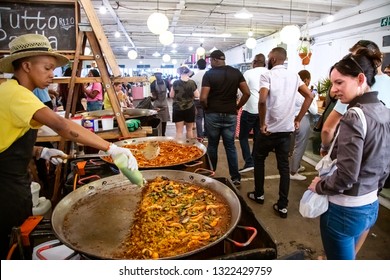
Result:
[
  {"x": 55, "y": 156},
  {"x": 115, "y": 150}
]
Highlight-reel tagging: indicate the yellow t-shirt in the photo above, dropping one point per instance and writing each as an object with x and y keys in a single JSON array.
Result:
[
  {"x": 17, "y": 107},
  {"x": 106, "y": 102}
]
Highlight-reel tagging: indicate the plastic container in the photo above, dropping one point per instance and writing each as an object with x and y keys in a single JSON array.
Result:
[
  {"x": 89, "y": 123},
  {"x": 77, "y": 119},
  {"x": 43, "y": 208},
  {"x": 49, "y": 251},
  {"x": 35, "y": 188},
  {"x": 134, "y": 176},
  {"x": 107, "y": 122}
]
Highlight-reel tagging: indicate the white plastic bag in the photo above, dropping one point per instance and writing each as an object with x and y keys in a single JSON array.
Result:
[
  {"x": 326, "y": 166},
  {"x": 313, "y": 204}
]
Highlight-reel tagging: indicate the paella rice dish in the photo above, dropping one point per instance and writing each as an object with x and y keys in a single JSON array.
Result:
[
  {"x": 170, "y": 153},
  {"x": 174, "y": 218}
]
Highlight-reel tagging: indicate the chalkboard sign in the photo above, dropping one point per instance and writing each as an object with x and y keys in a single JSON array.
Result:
[{"x": 56, "y": 21}]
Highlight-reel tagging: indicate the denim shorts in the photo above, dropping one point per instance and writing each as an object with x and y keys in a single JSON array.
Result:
[{"x": 342, "y": 227}]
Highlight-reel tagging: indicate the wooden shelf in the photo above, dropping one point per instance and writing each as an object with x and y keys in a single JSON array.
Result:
[
  {"x": 81, "y": 80},
  {"x": 110, "y": 134}
]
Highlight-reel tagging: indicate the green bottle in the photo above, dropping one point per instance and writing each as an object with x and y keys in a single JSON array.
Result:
[{"x": 135, "y": 176}]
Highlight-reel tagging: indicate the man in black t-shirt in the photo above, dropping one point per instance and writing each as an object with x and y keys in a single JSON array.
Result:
[{"x": 219, "y": 100}]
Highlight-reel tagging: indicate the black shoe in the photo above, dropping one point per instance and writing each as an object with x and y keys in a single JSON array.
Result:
[
  {"x": 246, "y": 169},
  {"x": 236, "y": 182},
  {"x": 281, "y": 211},
  {"x": 257, "y": 199}
]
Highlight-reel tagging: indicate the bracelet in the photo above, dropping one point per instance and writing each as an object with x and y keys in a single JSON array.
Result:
[{"x": 325, "y": 148}]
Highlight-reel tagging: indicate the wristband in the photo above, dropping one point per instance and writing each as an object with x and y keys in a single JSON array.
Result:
[{"x": 325, "y": 148}]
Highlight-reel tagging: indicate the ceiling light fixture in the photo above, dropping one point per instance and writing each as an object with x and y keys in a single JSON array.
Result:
[
  {"x": 132, "y": 54},
  {"x": 251, "y": 43},
  {"x": 243, "y": 13},
  {"x": 156, "y": 54},
  {"x": 166, "y": 38},
  {"x": 290, "y": 33},
  {"x": 117, "y": 33},
  {"x": 125, "y": 48},
  {"x": 157, "y": 22},
  {"x": 102, "y": 9},
  {"x": 200, "y": 51},
  {"x": 330, "y": 18},
  {"x": 225, "y": 33},
  {"x": 174, "y": 61},
  {"x": 166, "y": 58}
]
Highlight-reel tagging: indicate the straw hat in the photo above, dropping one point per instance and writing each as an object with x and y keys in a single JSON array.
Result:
[{"x": 26, "y": 46}]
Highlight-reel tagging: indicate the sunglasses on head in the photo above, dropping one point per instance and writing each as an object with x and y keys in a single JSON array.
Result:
[{"x": 350, "y": 57}]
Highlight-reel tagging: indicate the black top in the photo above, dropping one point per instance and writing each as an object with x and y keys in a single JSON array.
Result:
[{"x": 223, "y": 82}]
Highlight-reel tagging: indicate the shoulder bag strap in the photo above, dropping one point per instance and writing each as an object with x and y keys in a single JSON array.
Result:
[{"x": 362, "y": 118}]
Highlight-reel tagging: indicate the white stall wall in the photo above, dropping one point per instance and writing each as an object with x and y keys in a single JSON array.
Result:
[{"x": 332, "y": 40}]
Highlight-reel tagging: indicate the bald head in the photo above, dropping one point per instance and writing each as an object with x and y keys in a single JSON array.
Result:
[
  {"x": 259, "y": 60},
  {"x": 277, "y": 56}
]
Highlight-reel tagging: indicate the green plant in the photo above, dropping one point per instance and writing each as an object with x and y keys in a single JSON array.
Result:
[
  {"x": 304, "y": 49},
  {"x": 323, "y": 87}
]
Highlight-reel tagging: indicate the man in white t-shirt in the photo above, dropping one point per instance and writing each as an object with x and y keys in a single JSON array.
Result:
[
  {"x": 197, "y": 78},
  {"x": 279, "y": 88},
  {"x": 249, "y": 119}
]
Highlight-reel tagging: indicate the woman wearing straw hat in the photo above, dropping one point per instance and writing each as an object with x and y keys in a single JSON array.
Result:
[
  {"x": 32, "y": 61},
  {"x": 183, "y": 92}
]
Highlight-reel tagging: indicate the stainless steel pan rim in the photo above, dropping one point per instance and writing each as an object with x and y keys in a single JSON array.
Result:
[{"x": 118, "y": 181}]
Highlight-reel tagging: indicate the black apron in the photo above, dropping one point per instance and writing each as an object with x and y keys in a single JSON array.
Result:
[{"x": 15, "y": 192}]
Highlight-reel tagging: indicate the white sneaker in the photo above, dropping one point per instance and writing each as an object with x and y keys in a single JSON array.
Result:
[
  {"x": 297, "y": 177},
  {"x": 301, "y": 169},
  {"x": 246, "y": 169}
]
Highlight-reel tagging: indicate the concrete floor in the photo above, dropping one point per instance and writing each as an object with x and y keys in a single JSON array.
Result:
[{"x": 295, "y": 232}]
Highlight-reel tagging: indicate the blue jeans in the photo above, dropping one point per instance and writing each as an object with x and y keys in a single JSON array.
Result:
[
  {"x": 94, "y": 105},
  {"x": 341, "y": 228},
  {"x": 199, "y": 115},
  {"x": 280, "y": 142},
  {"x": 248, "y": 122},
  {"x": 217, "y": 125}
]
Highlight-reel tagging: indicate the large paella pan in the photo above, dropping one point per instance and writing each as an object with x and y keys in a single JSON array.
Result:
[
  {"x": 172, "y": 151},
  {"x": 95, "y": 219}
]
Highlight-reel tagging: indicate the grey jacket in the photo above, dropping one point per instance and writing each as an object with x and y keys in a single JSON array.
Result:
[{"x": 363, "y": 164}]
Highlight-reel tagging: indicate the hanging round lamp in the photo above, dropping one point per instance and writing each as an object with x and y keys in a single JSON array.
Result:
[
  {"x": 166, "y": 38},
  {"x": 290, "y": 34},
  {"x": 166, "y": 58},
  {"x": 157, "y": 23},
  {"x": 200, "y": 51},
  {"x": 132, "y": 54},
  {"x": 251, "y": 43}
]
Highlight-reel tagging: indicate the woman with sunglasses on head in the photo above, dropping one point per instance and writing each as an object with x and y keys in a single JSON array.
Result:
[
  {"x": 363, "y": 158},
  {"x": 382, "y": 82}
]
